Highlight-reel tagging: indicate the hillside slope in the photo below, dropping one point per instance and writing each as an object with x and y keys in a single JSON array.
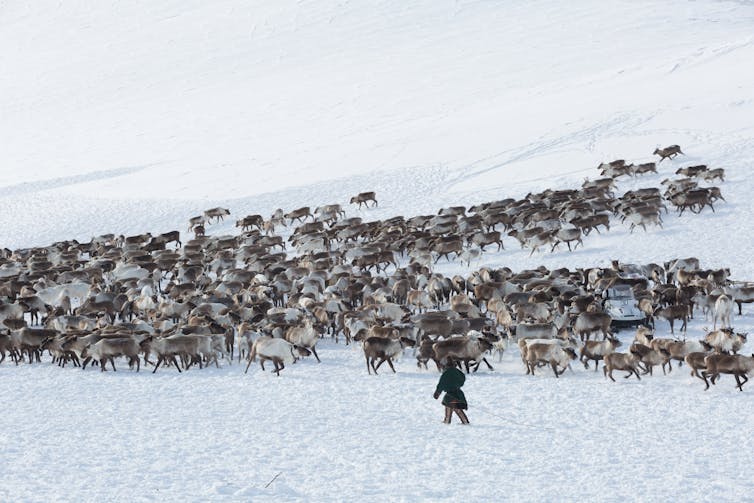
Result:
[{"x": 182, "y": 105}]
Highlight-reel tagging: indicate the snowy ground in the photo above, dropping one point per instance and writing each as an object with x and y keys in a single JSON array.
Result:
[
  {"x": 132, "y": 117},
  {"x": 334, "y": 433}
]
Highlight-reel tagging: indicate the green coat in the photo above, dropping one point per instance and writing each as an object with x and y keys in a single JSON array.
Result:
[{"x": 451, "y": 382}]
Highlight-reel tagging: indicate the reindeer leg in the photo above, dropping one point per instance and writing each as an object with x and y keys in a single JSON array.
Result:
[
  {"x": 390, "y": 362},
  {"x": 738, "y": 382},
  {"x": 610, "y": 374},
  {"x": 554, "y": 366},
  {"x": 488, "y": 363},
  {"x": 375, "y": 368},
  {"x": 476, "y": 367}
]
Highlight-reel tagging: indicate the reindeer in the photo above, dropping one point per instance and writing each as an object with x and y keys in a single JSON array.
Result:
[
  {"x": 672, "y": 313},
  {"x": 668, "y": 152},
  {"x": 364, "y": 198},
  {"x": 737, "y": 365},
  {"x": 384, "y": 348},
  {"x": 251, "y": 220},
  {"x": 483, "y": 239},
  {"x": 299, "y": 214},
  {"x": 216, "y": 213}
]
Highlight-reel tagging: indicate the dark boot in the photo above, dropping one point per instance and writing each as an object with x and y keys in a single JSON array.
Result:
[
  {"x": 462, "y": 416},
  {"x": 448, "y": 415}
]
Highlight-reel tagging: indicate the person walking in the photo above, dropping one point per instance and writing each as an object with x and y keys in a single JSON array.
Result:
[{"x": 454, "y": 400}]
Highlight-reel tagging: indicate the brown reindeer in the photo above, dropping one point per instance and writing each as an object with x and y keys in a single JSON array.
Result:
[
  {"x": 672, "y": 313},
  {"x": 248, "y": 221},
  {"x": 621, "y": 361},
  {"x": 298, "y": 214},
  {"x": 737, "y": 365},
  {"x": 364, "y": 198},
  {"x": 668, "y": 152},
  {"x": 384, "y": 348},
  {"x": 216, "y": 213}
]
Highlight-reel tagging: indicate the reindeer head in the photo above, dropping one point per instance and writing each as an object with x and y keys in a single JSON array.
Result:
[
  {"x": 302, "y": 352},
  {"x": 406, "y": 342}
]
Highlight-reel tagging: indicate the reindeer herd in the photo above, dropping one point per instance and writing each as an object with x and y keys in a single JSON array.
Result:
[{"x": 276, "y": 288}]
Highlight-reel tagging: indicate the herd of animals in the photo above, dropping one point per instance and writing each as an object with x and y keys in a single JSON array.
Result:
[{"x": 273, "y": 290}]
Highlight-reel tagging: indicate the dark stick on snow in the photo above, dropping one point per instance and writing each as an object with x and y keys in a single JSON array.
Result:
[{"x": 273, "y": 480}]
